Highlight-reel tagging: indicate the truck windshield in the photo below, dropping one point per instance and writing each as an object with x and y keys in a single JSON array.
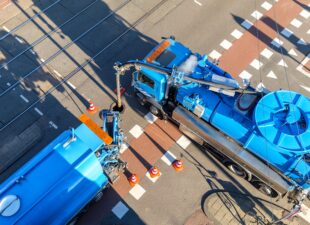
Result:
[
  {"x": 146, "y": 80},
  {"x": 165, "y": 58}
]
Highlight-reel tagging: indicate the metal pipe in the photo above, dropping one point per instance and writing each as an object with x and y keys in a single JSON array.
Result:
[{"x": 118, "y": 91}]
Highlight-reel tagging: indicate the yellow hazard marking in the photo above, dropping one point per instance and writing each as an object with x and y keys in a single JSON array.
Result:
[
  {"x": 165, "y": 44},
  {"x": 96, "y": 129}
]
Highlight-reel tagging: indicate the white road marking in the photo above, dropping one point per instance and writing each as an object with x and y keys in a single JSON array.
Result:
[
  {"x": 8, "y": 84},
  {"x": 308, "y": 32},
  {"x": 123, "y": 148},
  {"x": 215, "y": 54},
  {"x": 266, "y": 5},
  {"x": 282, "y": 63},
  {"x": 272, "y": 75},
  {"x": 198, "y": 3},
  {"x": 296, "y": 23},
  {"x": 52, "y": 124},
  {"x": 150, "y": 117},
  {"x": 42, "y": 60},
  {"x": 137, "y": 191},
  {"x": 305, "y": 87},
  {"x": 292, "y": 52},
  {"x": 277, "y": 42},
  {"x": 183, "y": 141},
  {"x": 245, "y": 75},
  {"x": 301, "y": 42},
  {"x": 168, "y": 158},
  {"x": 153, "y": 179},
  {"x": 266, "y": 53},
  {"x": 136, "y": 131},
  {"x": 24, "y": 98},
  {"x": 286, "y": 32},
  {"x": 225, "y": 44},
  {"x": 236, "y": 34},
  {"x": 256, "y": 64},
  {"x": 5, "y": 66},
  {"x": 247, "y": 24},
  {"x": 38, "y": 111},
  {"x": 300, "y": 67},
  {"x": 57, "y": 73},
  {"x": 19, "y": 40},
  {"x": 120, "y": 209},
  {"x": 256, "y": 14},
  {"x": 71, "y": 85},
  {"x": 305, "y": 14},
  {"x": 6, "y": 29},
  {"x": 32, "y": 52}
]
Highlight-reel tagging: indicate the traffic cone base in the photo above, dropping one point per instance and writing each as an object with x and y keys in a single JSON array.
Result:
[
  {"x": 91, "y": 108},
  {"x": 133, "y": 180},
  {"x": 178, "y": 165},
  {"x": 154, "y": 172}
]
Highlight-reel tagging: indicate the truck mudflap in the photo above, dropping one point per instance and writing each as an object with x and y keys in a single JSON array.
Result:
[{"x": 200, "y": 132}]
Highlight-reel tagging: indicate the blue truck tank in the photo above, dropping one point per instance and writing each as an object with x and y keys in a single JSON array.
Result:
[{"x": 57, "y": 183}]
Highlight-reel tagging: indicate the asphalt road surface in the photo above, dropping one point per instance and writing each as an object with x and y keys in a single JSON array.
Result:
[{"x": 53, "y": 63}]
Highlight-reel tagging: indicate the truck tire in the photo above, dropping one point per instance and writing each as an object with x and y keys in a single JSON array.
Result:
[
  {"x": 266, "y": 190},
  {"x": 237, "y": 170},
  {"x": 155, "y": 111}
]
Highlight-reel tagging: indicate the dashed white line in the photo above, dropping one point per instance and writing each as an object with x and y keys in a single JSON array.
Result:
[
  {"x": 150, "y": 117},
  {"x": 286, "y": 32},
  {"x": 282, "y": 63},
  {"x": 8, "y": 84},
  {"x": 225, "y": 44},
  {"x": 38, "y": 111},
  {"x": 266, "y": 53},
  {"x": 305, "y": 87},
  {"x": 277, "y": 42},
  {"x": 245, "y": 75},
  {"x": 266, "y": 5},
  {"x": 24, "y": 98},
  {"x": 247, "y": 24},
  {"x": 137, "y": 191},
  {"x": 120, "y": 209},
  {"x": 168, "y": 158},
  {"x": 308, "y": 32},
  {"x": 32, "y": 52},
  {"x": 236, "y": 34},
  {"x": 57, "y": 73},
  {"x": 183, "y": 141},
  {"x": 296, "y": 23},
  {"x": 305, "y": 14},
  {"x": 215, "y": 54},
  {"x": 257, "y": 15},
  {"x": 42, "y": 60},
  {"x": 6, "y": 29},
  {"x": 52, "y": 124},
  {"x": 71, "y": 85},
  {"x": 300, "y": 67},
  {"x": 256, "y": 64},
  {"x": 123, "y": 148},
  {"x": 19, "y": 40},
  {"x": 272, "y": 75},
  {"x": 198, "y": 3},
  {"x": 136, "y": 131}
]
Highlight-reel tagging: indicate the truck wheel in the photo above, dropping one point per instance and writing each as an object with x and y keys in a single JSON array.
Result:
[
  {"x": 266, "y": 190},
  {"x": 239, "y": 171},
  {"x": 155, "y": 111}
]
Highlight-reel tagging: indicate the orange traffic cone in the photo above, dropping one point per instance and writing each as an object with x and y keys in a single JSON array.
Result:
[
  {"x": 178, "y": 165},
  {"x": 91, "y": 108},
  {"x": 133, "y": 180},
  {"x": 154, "y": 172}
]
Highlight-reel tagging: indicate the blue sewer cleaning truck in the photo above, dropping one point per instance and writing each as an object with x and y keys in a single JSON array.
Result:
[
  {"x": 260, "y": 135},
  {"x": 65, "y": 176}
]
